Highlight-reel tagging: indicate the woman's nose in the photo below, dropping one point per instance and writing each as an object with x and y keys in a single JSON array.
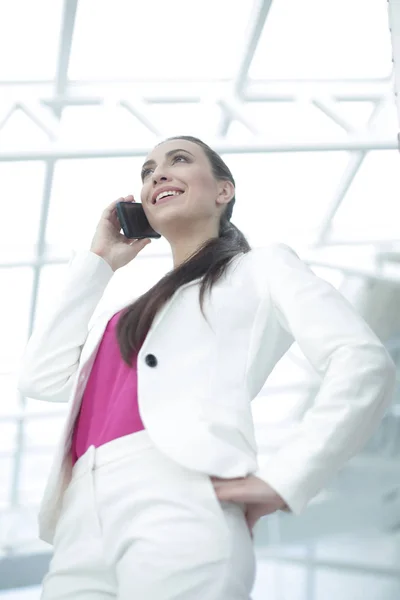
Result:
[
  {"x": 159, "y": 175},
  {"x": 159, "y": 178}
]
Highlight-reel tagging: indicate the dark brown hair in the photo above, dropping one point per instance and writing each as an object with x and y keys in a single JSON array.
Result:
[{"x": 209, "y": 262}]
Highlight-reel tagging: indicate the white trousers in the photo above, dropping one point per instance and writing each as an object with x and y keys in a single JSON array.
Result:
[{"x": 135, "y": 525}]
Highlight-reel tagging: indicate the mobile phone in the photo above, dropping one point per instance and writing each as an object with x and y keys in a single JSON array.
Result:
[{"x": 134, "y": 222}]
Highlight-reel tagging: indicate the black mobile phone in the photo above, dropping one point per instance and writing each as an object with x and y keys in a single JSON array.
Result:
[{"x": 134, "y": 222}]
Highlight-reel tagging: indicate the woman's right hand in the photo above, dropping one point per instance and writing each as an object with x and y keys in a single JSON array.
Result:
[{"x": 112, "y": 245}]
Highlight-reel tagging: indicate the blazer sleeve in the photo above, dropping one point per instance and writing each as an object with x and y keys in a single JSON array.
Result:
[
  {"x": 358, "y": 379},
  {"x": 51, "y": 357}
]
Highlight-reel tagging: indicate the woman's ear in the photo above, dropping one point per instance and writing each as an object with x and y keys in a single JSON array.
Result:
[{"x": 226, "y": 191}]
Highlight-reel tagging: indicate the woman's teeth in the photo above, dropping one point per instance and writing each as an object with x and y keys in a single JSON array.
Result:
[{"x": 165, "y": 196}]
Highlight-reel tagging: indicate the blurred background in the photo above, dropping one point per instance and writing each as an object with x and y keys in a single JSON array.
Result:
[{"x": 299, "y": 97}]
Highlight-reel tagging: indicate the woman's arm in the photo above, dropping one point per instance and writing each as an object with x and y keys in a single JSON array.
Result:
[
  {"x": 358, "y": 379},
  {"x": 51, "y": 357}
]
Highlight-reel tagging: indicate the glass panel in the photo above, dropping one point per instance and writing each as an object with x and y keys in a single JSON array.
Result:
[
  {"x": 8, "y": 434},
  {"x": 19, "y": 526},
  {"x": 371, "y": 207},
  {"x": 185, "y": 118},
  {"x": 29, "y": 35},
  {"x": 283, "y": 197},
  {"x": 81, "y": 190},
  {"x": 324, "y": 40},
  {"x": 290, "y": 582},
  {"x": 96, "y": 125},
  {"x": 357, "y": 113},
  {"x": 360, "y": 585},
  {"x": 6, "y": 465},
  {"x": 20, "y": 131},
  {"x": 370, "y": 550},
  {"x": 302, "y": 121},
  {"x": 159, "y": 40},
  {"x": 33, "y": 476},
  {"x": 21, "y": 190},
  {"x": 14, "y": 315},
  {"x": 285, "y": 121},
  {"x": 10, "y": 404}
]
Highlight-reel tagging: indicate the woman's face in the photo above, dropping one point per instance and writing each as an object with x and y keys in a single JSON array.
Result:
[{"x": 183, "y": 169}]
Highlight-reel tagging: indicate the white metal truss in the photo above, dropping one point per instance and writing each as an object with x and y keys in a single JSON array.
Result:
[{"x": 232, "y": 98}]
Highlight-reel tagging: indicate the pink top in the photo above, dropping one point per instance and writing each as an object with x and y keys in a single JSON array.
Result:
[{"x": 109, "y": 406}]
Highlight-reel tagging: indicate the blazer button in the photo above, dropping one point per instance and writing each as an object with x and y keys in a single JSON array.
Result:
[{"x": 151, "y": 360}]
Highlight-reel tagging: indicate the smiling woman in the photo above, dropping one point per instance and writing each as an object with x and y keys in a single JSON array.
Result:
[
  {"x": 197, "y": 225},
  {"x": 160, "y": 428}
]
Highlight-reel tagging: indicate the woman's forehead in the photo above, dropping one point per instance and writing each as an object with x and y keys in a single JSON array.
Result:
[{"x": 161, "y": 149}]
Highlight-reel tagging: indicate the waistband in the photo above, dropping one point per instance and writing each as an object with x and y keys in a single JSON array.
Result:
[{"x": 126, "y": 445}]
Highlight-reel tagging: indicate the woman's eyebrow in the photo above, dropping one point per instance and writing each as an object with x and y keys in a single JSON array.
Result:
[{"x": 168, "y": 154}]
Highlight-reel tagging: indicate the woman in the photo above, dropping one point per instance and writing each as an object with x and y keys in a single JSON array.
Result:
[{"x": 155, "y": 487}]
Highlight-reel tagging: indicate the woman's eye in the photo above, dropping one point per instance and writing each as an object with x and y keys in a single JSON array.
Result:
[
  {"x": 145, "y": 173},
  {"x": 177, "y": 156}
]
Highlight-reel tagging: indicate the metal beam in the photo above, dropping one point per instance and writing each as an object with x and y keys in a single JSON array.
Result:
[
  {"x": 347, "y": 179},
  {"x": 64, "y": 52},
  {"x": 353, "y": 143},
  {"x": 6, "y": 113},
  {"x": 259, "y": 18}
]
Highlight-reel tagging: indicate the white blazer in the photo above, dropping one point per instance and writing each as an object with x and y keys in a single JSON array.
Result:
[{"x": 197, "y": 377}]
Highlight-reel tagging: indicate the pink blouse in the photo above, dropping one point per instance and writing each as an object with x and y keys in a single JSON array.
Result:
[{"x": 109, "y": 408}]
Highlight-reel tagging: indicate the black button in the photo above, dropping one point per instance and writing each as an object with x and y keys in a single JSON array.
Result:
[{"x": 151, "y": 360}]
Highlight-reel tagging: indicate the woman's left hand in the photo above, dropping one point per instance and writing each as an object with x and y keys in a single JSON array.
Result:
[{"x": 259, "y": 497}]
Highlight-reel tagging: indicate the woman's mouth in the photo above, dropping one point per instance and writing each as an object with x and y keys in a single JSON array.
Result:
[{"x": 169, "y": 197}]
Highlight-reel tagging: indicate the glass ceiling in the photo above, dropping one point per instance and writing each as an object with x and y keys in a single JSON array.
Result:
[{"x": 286, "y": 90}]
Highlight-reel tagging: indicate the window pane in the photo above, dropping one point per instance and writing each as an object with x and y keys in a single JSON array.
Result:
[
  {"x": 5, "y": 478},
  {"x": 196, "y": 119},
  {"x": 97, "y": 126},
  {"x": 81, "y": 191},
  {"x": 33, "y": 476},
  {"x": 283, "y": 197},
  {"x": 370, "y": 210},
  {"x": 10, "y": 404},
  {"x": 8, "y": 431},
  {"x": 29, "y": 34},
  {"x": 159, "y": 40},
  {"x": 14, "y": 315},
  {"x": 20, "y": 131},
  {"x": 21, "y": 190},
  {"x": 324, "y": 40}
]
